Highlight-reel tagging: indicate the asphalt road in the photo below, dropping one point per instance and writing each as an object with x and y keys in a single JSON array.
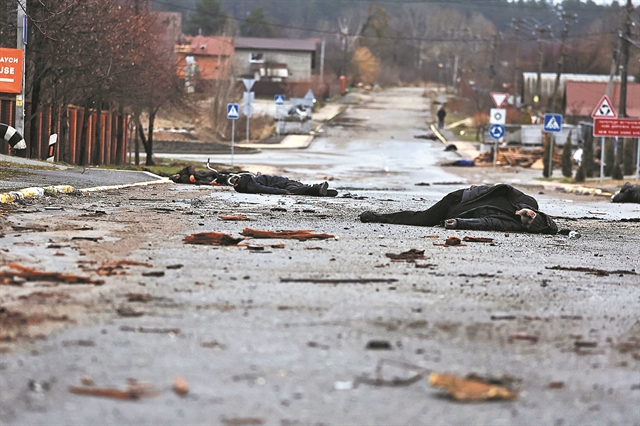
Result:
[{"x": 298, "y": 335}]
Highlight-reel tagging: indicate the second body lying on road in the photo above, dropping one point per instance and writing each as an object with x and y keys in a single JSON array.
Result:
[
  {"x": 267, "y": 184},
  {"x": 491, "y": 208}
]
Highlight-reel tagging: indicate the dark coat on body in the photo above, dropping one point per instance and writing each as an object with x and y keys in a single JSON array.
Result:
[{"x": 493, "y": 208}]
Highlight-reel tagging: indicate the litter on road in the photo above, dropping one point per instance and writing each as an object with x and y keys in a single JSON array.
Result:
[
  {"x": 294, "y": 234},
  {"x": 28, "y": 274},
  {"x": 469, "y": 389}
]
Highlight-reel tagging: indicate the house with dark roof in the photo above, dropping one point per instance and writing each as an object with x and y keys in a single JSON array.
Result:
[{"x": 274, "y": 59}]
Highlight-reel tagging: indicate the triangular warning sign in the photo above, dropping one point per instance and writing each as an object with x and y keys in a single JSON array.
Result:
[
  {"x": 499, "y": 98},
  {"x": 604, "y": 109}
]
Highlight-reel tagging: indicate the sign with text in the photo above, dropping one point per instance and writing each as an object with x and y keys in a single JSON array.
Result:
[
  {"x": 620, "y": 127},
  {"x": 11, "y": 70}
]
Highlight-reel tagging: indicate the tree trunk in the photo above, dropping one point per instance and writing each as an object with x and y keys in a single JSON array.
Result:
[
  {"x": 148, "y": 147},
  {"x": 98, "y": 144},
  {"x": 86, "y": 114},
  {"x": 120, "y": 136}
]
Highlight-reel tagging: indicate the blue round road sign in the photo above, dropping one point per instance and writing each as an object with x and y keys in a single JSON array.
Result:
[{"x": 496, "y": 131}]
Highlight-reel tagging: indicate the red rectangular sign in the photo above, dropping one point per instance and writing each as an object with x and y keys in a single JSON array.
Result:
[
  {"x": 620, "y": 127},
  {"x": 11, "y": 70}
]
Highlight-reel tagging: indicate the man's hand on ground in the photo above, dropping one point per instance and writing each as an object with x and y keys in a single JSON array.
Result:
[
  {"x": 526, "y": 216},
  {"x": 450, "y": 223}
]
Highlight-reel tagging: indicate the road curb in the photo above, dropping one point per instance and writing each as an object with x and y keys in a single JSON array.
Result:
[{"x": 10, "y": 197}]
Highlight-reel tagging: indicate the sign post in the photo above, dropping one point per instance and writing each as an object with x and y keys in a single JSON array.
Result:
[
  {"x": 233, "y": 113},
  {"x": 496, "y": 131},
  {"x": 247, "y": 100},
  {"x": 552, "y": 124},
  {"x": 279, "y": 101},
  {"x": 606, "y": 111},
  {"x": 21, "y": 42},
  {"x": 497, "y": 119}
]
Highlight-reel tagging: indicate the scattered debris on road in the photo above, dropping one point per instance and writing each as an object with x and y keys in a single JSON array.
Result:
[
  {"x": 378, "y": 345},
  {"x": 471, "y": 388},
  {"x": 338, "y": 280},
  {"x": 180, "y": 386},
  {"x": 301, "y": 235},
  {"x": 28, "y": 274},
  {"x": 212, "y": 239},
  {"x": 594, "y": 271},
  {"x": 235, "y": 217},
  {"x": 407, "y": 256},
  {"x": 469, "y": 239},
  {"x": 134, "y": 390}
]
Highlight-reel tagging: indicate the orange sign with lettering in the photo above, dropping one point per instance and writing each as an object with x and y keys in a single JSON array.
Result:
[{"x": 11, "y": 70}]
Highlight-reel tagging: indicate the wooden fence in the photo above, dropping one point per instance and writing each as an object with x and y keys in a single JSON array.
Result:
[{"x": 110, "y": 148}]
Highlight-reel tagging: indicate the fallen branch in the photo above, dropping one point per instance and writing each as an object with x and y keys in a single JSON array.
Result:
[
  {"x": 407, "y": 256},
  {"x": 338, "y": 280},
  {"x": 594, "y": 271},
  {"x": 294, "y": 234},
  {"x": 29, "y": 274},
  {"x": 236, "y": 217},
  {"x": 212, "y": 239}
]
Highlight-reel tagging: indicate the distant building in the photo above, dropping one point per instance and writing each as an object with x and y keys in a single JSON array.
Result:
[
  {"x": 274, "y": 59},
  {"x": 203, "y": 59},
  {"x": 548, "y": 82},
  {"x": 581, "y": 98}
]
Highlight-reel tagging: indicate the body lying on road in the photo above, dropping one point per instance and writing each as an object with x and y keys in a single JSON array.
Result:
[
  {"x": 268, "y": 184},
  {"x": 490, "y": 208},
  {"x": 627, "y": 194}
]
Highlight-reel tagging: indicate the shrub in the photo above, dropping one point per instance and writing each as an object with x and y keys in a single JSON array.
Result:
[{"x": 567, "y": 161}]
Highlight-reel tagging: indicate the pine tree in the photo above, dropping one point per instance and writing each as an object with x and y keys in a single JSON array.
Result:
[
  {"x": 566, "y": 157},
  {"x": 207, "y": 20},
  {"x": 256, "y": 25},
  {"x": 609, "y": 157},
  {"x": 580, "y": 176},
  {"x": 628, "y": 159},
  {"x": 616, "y": 173},
  {"x": 587, "y": 156}
]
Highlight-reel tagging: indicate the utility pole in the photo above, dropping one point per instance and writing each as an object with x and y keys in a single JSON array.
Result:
[
  {"x": 565, "y": 33},
  {"x": 322, "y": 46},
  {"x": 516, "y": 76},
  {"x": 494, "y": 60},
  {"x": 20, "y": 44},
  {"x": 624, "y": 65},
  {"x": 541, "y": 33}
]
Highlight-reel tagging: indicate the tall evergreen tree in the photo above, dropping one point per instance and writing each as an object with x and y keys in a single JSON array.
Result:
[
  {"x": 628, "y": 158},
  {"x": 609, "y": 157},
  {"x": 587, "y": 162},
  {"x": 209, "y": 19},
  {"x": 256, "y": 25},
  {"x": 566, "y": 157}
]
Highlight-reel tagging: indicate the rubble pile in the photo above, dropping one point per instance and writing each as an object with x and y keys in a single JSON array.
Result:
[{"x": 515, "y": 156}]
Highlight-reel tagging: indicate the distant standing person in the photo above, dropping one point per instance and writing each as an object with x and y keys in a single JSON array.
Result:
[{"x": 442, "y": 113}]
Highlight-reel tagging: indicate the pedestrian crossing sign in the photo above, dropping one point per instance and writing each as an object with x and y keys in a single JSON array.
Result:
[
  {"x": 553, "y": 123},
  {"x": 604, "y": 109},
  {"x": 233, "y": 111}
]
